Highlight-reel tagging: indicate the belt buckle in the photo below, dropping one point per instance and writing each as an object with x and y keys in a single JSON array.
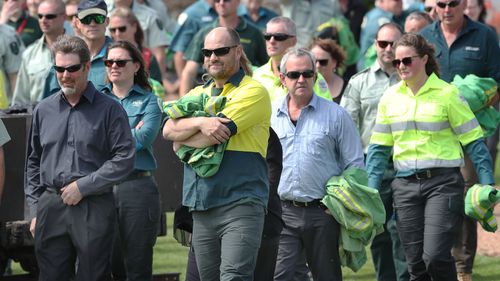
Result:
[
  {"x": 296, "y": 204},
  {"x": 428, "y": 175}
]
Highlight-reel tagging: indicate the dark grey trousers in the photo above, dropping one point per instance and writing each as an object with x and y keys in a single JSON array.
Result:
[
  {"x": 312, "y": 230},
  {"x": 64, "y": 233},
  {"x": 429, "y": 215},
  {"x": 138, "y": 208}
]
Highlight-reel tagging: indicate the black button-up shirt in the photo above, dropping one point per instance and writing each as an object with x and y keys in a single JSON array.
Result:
[{"x": 90, "y": 143}]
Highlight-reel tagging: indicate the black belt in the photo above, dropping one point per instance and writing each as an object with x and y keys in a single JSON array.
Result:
[
  {"x": 430, "y": 173},
  {"x": 59, "y": 192},
  {"x": 313, "y": 203},
  {"x": 137, "y": 175}
]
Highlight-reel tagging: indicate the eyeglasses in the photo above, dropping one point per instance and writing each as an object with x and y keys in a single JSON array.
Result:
[
  {"x": 120, "y": 28},
  {"x": 322, "y": 62},
  {"x": 223, "y": 1},
  {"x": 47, "y": 16},
  {"x": 451, "y": 4},
  {"x": 383, "y": 44},
  {"x": 406, "y": 61},
  {"x": 428, "y": 9},
  {"x": 71, "y": 68},
  {"x": 99, "y": 19},
  {"x": 296, "y": 74},
  {"x": 217, "y": 52},
  {"x": 119, "y": 63},
  {"x": 277, "y": 36}
]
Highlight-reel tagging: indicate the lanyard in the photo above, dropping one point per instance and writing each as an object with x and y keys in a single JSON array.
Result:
[{"x": 21, "y": 26}]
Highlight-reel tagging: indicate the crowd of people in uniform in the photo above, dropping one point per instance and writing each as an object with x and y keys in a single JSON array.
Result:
[{"x": 306, "y": 134}]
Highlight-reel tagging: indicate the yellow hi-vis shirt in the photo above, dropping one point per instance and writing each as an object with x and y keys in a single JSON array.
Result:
[{"x": 425, "y": 129}]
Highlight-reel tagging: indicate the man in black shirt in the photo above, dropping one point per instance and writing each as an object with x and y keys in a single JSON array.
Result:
[{"x": 80, "y": 146}]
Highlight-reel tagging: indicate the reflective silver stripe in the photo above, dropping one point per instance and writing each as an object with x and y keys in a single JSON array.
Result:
[
  {"x": 421, "y": 126},
  {"x": 466, "y": 127},
  {"x": 360, "y": 225},
  {"x": 382, "y": 128},
  {"x": 174, "y": 112},
  {"x": 402, "y": 165}
]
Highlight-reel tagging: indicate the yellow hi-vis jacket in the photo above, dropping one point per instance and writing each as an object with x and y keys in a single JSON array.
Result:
[{"x": 425, "y": 129}]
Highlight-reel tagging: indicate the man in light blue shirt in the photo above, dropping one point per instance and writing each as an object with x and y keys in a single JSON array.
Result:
[{"x": 319, "y": 140}]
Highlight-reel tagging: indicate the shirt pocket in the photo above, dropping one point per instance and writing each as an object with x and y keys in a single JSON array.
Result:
[
  {"x": 135, "y": 114},
  {"x": 317, "y": 141}
]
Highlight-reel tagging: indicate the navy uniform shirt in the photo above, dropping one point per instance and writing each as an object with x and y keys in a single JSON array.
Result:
[
  {"x": 90, "y": 143},
  {"x": 474, "y": 51}
]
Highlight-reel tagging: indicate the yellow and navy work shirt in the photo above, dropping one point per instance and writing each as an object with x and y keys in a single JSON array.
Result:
[
  {"x": 425, "y": 129},
  {"x": 243, "y": 170}
]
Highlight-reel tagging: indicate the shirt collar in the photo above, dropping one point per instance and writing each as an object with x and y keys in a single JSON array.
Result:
[
  {"x": 108, "y": 89},
  {"x": 433, "y": 83},
  {"x": 235, "y": 79},
  {"x": 242, "y": 24},
  {"x": 313, "y": 104},
  {"x": 88, "y": 93},
  {"x": 102, "y": 52}
]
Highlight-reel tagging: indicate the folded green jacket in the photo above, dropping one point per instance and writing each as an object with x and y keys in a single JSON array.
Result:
[
  {"x": 204, "y": 161},
  {"x": 478, "y": 92},
  {"x": 479, "y": 203},
  {"x": 359, "y": 211}
]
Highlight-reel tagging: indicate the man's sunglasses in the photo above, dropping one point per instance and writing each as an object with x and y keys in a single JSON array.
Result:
[
  {"x": 217, "y": 52},
  {"x": 99, "y": 19},
  {"x": 451, "y": 4},
  {"x": 383, "y": 44},
  {"x": 47, "y": 16},
  {"x": 119, "y": 63},
  {"x": 277, "y": 36},
  {"x": 296, "y": 74},
  {"x": 120, "y": 28},
  {"x": 428, "y": 9},
  {"x": 70, "y": 17},
  {"x": 323, "y": 62},
  {"x": 406, "y": 61},
  {"x": 71, "y": 68}
]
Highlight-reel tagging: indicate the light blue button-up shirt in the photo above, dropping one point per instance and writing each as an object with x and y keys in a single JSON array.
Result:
[{"x": 322, "y": 144}]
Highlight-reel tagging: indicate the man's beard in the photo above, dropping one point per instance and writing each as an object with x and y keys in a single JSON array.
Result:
[{"x": 68, "y": 91}]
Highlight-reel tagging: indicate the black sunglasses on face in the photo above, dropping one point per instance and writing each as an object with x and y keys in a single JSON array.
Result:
[
  {"x": 451, "y": 4},
  {"x": 119, "y": 63},
  {"x": 296, "y": 74},
  {"x": 47, "y": 16},
  {"x": 428, "y": 9},
  {"x": 99, "y": 19},
  {"x": 71, "y": 68},
  {"x": 277, "y": 36},
  {"x": 70, "y": 17},
  {"x": 406, "y": 61},
  {"x": 383, "y": 44},
  {"x": 323, "y": 62},
  {"x": 217, "y": 52},
  {"x": 120, "y": 28}
]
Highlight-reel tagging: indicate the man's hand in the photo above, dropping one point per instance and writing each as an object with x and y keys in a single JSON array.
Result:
[
  {"x": 9, "y": 9},
  {"x": 71, "y": 194},
  {"x": 32, "y": 226},
  {"x": 216, "y": 129}
]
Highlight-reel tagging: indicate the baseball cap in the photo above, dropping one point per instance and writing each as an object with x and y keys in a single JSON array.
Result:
[{"x": 91, "y": 7}]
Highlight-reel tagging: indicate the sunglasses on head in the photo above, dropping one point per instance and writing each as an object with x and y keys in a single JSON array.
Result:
[
  {"x": 119, "y": 63},
  {"x": 451, "y": 4},
  {"x": 277, "y": 36},
  {"x": 406, "y": 61},
  {"x": 323, "y": 62},
  {"x": 99, "y": 19},
  {"x": 120, "y": 28},
  {"x": 296, "y": 74},
  {"x": 71, "y": 68},
  {"x": 383, "y": 44},
  {"x": 47, "y": 16},
  {"x": 217, "y": 52}
]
